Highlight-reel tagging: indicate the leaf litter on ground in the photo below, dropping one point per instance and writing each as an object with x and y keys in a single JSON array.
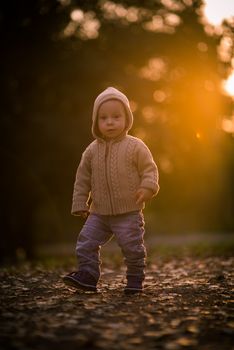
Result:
[{"x": 187, "y": 304}]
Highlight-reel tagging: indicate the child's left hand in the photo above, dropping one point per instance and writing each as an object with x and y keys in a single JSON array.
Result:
[{"x": 143, "y": 194}]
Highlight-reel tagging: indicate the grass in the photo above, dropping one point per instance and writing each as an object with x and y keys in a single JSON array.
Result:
[{"x": 112, "y": 257}]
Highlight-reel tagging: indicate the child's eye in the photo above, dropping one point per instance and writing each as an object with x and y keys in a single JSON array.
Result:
[{"x": 116, "y": 117}]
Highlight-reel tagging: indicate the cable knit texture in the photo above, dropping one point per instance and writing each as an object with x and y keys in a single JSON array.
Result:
[{"x": 110, "y": 173}]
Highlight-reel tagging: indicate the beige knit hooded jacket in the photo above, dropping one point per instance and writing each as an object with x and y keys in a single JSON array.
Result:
[{"x": 111, "y": 172}]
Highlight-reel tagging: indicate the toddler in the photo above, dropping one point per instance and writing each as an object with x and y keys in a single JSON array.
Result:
[{"x": 118, "y": 173}]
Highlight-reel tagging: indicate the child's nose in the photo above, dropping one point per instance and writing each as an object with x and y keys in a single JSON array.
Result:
[{"x": 109, "y": 121}]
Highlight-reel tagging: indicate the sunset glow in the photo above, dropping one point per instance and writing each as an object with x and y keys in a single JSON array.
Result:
[
  {"x": 228, "y": 85},
  {"x": 214, "y": 14},
  {"x": 228, "y": 125},
  {"x": 216, "y": 11}
]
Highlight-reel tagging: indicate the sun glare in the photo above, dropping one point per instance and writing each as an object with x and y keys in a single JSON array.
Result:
[
  {"x": 228, "y": 85},
  {"x": 216, "y": 10}
]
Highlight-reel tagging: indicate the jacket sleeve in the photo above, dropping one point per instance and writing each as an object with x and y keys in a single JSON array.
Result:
[
  {"x": 147, "y": 168},
  {"x": 82, "y": 186}
]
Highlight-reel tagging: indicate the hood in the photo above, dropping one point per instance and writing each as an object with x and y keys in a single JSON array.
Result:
[{"x": 109, "y": 94}]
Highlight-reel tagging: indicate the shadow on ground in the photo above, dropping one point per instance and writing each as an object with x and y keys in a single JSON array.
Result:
[{"x": 187, "y": 304}]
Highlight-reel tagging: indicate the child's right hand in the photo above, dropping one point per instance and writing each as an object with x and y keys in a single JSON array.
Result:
[
  {"x": 143, "y": 194},
  {"x": 83, "y": 213}
]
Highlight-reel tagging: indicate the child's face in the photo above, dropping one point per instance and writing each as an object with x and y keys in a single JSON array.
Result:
[{"x": 111, "y": 119}]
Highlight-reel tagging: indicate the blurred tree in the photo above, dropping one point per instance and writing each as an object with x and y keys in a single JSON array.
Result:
[{"x": 57, "y": 56}]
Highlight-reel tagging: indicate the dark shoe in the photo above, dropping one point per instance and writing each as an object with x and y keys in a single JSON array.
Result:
[
  {"x": 134, "y": 285},
  {"x": 81, "y": 280}
]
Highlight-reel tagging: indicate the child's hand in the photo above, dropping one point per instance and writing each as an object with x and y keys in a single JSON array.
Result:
[
  {"x": 83, "y": 213},
  {"x": 142, "y": 195}
]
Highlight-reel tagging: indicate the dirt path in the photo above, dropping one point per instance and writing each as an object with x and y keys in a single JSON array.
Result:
[{"x": 187, "y": 304}]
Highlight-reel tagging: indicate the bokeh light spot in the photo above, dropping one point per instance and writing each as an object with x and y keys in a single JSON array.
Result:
[
  {"x": 133, "y": 105},
  {"x": 154, "y": 70},
  {"x": 84, "y": 25},
  {"x": 172, "y": 19},
  {"x": 148, "y": 114},
  {"x": 228, "y": 125},
  {"x": 159, "y": 96},
  {"x": 77, "y": 15},
  {"x": 202, "y": 47},
  {"x": 165, "y": 164},
  {"x": 172, "y": 5},
  {"x": 225, "y": 48}
]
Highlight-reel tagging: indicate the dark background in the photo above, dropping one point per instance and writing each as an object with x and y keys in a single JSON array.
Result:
[{"x": 51, "y": 72}]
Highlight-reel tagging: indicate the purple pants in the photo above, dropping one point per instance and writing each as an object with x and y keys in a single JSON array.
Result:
[{"x": 128, "y": 229}]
